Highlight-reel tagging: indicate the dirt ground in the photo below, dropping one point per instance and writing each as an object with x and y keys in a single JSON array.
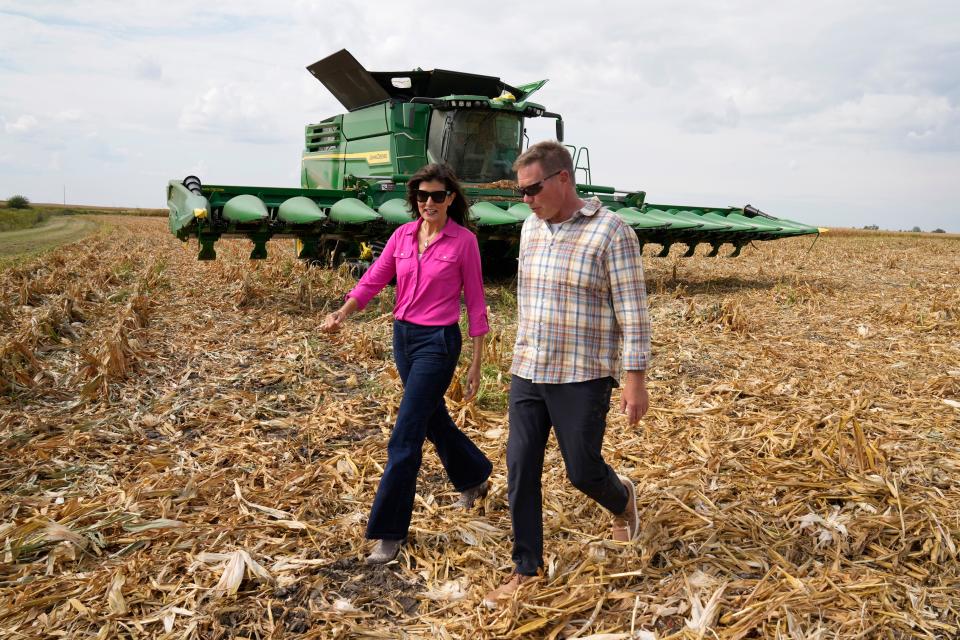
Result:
[{"x": 183, "y": 455}]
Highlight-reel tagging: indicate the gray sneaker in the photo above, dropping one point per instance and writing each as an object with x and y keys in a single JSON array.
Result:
[
  {"x": 626, "y": 526},
  {"x": 471, "y": 495},
  {"x": 384, "y": 551}
]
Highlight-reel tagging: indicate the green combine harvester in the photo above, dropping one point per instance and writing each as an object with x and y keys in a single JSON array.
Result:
[{"x": 355, "y": 166}]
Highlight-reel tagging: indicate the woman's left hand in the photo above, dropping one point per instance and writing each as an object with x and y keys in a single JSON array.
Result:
[{"x": 473, "y": 380}]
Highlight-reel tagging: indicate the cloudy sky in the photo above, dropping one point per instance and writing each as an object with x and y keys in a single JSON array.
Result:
[{"x": 840, "y": 113}]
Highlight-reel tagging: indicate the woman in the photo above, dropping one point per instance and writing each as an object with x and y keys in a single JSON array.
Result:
[{"x": 433, "y": 258}]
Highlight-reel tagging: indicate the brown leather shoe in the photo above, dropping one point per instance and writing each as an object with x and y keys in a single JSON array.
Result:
[
  {"x": 626, "y": 526},
  {"x": 471, "y": 495},
  {"x": 384, "y": 551},
  {"x": 516, "y": 588}
]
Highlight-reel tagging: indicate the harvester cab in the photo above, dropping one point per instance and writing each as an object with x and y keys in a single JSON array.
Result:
[
  {"x": 355, "y": 165},
  {"x": 399, "y": 121}
]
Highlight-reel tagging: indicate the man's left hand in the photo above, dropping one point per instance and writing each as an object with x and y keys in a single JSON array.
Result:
[{"x": 634, "y": 400}]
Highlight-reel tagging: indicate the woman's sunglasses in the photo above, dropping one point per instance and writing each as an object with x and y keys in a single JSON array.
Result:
[
  {"x": 535, "y": 188},
  {"x": 438, "y": 196}
]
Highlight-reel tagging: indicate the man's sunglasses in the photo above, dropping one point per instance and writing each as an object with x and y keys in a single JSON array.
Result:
[
  {"x": 438, "y": 196},
  {"x": 535, "y": 188}
]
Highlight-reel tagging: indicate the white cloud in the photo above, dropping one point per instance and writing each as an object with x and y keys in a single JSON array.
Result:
[
  {"x": 704, "y": 120},
  {"x": 806, "y": 110},
  {"x": 22, "y": 125},
  {"x": 240, "y": 111},
  {"x": 149, "y": 70},
  {"x": 69, "y": 116},
  {"x": 885, "y": 119}
]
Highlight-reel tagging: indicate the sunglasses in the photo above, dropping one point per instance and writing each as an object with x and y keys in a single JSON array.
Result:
[
  {"x": 535, "y": 188},
  {"x": 438, "y": 196}
]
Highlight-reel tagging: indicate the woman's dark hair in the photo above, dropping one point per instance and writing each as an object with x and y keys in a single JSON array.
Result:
[{"x": 458, "y": 209}]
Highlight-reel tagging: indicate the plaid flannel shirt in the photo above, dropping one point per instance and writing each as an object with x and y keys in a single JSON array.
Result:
[{"x": 581, "y": 297}]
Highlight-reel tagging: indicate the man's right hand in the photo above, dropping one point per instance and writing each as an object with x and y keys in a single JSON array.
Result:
[{"x": 634, "y": 400}]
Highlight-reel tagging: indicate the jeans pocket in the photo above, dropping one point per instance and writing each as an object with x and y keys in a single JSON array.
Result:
[
  {"x": 440, "y": 338},
  {"x": 426, "y": 341}
]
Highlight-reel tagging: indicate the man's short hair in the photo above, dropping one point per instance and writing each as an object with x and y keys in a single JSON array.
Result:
[{"x": 549, "y": 154}]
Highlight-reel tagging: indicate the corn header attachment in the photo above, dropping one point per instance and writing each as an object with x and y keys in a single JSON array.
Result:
[{"x": 355, "y": 165}]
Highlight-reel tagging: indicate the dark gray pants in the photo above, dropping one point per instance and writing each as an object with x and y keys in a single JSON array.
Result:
[{"x": 578, "y": 413}]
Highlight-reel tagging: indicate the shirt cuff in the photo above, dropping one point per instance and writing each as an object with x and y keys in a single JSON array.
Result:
[{"x": 478, "y": 326}]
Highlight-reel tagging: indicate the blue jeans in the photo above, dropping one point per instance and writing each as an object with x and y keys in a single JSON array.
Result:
[{"x": 426, "y": 358}]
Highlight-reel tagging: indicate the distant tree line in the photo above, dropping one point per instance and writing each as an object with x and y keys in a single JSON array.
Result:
[{"x": 873, "y": 227}]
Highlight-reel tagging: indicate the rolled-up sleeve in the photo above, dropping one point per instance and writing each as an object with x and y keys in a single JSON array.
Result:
[
  {"x": 472, "y": 275},
  {"x": 629, "y": 294},
  {"x": 379, "y": 275}
]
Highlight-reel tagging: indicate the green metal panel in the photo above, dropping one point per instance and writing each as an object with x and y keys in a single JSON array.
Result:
[
  {"x": 676, "y": 224},
  {"x": 369, "y": 157},
  {"x": 352, "y": 211},
  {"x": 521, "y": 211},
  {"x": 245, "y": 208},
  {"x": 409, "y": 124},
  {"x": 321, "y": 165},
  {"x": 300, "y": 210},
  {"x": 790, "y": 226},
  {"x": 363, "y": 123},
  {"x": 638, "y": 220},
  {"x": 762, "y": 224},
  {"x": 184, "y": 206},
  {"x": 705, "y": 225},
  {"x": 530, "y": 88},
  {"x": 218, "y": 195},
  {"x": 488, "y": 214},
  {"x": 396, "y": 211},
  {"x": 733, "y": 224}
]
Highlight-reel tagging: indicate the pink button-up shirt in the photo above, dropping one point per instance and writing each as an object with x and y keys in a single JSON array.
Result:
[{"x": 429, "y": 286}]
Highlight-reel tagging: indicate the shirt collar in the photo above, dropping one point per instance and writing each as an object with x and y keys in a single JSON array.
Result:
[
  {"x": 589, "y": 209},
  {"x": 451, "y": 229}
]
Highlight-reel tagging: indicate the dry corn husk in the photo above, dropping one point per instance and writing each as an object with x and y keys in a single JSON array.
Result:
[{"x": 185, "y": 456}]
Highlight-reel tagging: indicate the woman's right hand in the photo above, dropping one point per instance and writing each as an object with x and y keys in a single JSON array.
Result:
[{"x": 333, "y": 322}]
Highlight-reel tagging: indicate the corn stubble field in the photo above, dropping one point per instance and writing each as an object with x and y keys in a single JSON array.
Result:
[{"x": 185, "y": 456}]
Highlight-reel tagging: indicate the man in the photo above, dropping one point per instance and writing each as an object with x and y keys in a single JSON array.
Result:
[{"x": 582, "y": 309}]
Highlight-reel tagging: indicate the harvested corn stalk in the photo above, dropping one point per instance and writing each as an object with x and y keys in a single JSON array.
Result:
[{"x": 184, "y": 455}]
